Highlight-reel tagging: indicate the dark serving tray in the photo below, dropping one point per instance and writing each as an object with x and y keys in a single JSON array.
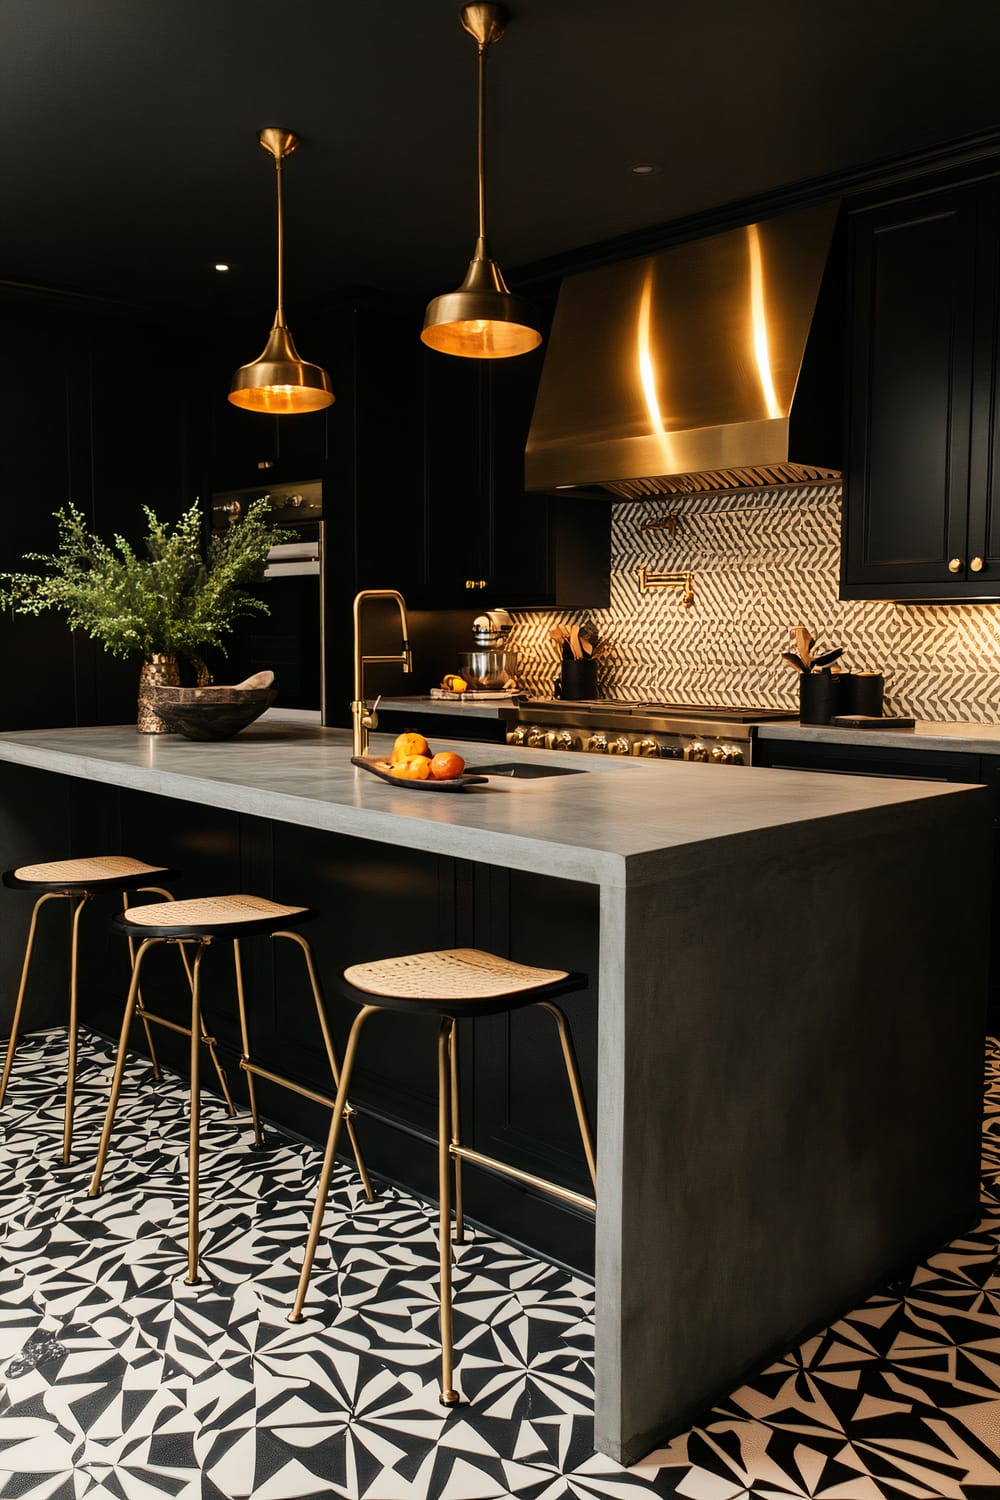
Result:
[{"x": 380, "y": 768}]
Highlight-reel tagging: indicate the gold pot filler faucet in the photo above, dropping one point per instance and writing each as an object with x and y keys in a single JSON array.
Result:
[{"x": 365, "y": 718}]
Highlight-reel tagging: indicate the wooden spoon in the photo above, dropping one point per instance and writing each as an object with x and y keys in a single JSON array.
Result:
[
  {"x": 804, "y": 643},
  {"x": 574, "y": 643}
]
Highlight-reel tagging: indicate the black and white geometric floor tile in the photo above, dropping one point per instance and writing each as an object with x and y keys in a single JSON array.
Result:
[{"x": 118, "y": 1380}]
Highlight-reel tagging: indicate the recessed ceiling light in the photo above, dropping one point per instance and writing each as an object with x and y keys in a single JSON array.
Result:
[
  {"x": 220, "y": 265},
  {"x": 645, "y": 168}
]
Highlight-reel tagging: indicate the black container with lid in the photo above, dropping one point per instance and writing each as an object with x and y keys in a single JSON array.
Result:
[{"x": 863, "y": 694}]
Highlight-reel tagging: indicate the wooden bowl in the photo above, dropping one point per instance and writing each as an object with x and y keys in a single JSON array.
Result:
[{"x": 212, "y": 713}]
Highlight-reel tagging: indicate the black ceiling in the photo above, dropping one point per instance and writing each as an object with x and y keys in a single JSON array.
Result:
[{"x": 131, "y": 162}]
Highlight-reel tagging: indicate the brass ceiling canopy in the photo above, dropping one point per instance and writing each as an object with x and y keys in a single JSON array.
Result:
[
  {"x": 482, "y": 319},
  {"x": 280, "y": 382}
]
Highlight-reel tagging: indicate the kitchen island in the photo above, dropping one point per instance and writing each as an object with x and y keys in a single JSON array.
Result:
[{"x": 791, "y": 988}]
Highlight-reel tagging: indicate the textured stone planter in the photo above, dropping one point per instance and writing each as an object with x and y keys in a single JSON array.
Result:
[{"x": 157, "y": 671}]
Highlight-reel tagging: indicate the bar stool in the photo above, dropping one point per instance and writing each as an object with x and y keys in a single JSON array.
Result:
[
  {"x": 200, "y": 923},
  {"x": 453, "y": 983},
  {"x": 80, "y": 880}
]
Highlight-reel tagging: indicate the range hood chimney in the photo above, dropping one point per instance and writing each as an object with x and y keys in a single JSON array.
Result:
[{"x": 678, "y": 372}]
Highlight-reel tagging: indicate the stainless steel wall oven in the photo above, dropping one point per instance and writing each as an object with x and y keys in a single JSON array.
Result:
[{"x": 289, "y": 638}]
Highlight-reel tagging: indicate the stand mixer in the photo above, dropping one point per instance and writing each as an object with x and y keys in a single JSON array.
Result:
[{"x": 489, "y": 667}]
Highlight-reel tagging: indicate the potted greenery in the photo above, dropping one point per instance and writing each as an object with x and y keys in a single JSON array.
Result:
[{"x": 165, "y": 604}]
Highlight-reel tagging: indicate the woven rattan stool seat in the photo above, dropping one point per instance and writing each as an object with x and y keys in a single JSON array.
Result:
[
  {"x": 71, "y": 874},
  {"x": 456, "y": 981},
  {"x": 448, "y": 974},
  {"x": 207, "y": 916}
]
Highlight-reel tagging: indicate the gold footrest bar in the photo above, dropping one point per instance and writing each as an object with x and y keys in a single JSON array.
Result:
[
  {"x": 567, "y": 1194},
  {"x": 148, "y": 1015},
  {"x": 296, "y": 1088}
]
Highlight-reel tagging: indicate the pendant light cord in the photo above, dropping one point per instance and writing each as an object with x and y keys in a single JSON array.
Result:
[
  {"x": 279, "y": 317},
  {"x": 482, "y": 48}
]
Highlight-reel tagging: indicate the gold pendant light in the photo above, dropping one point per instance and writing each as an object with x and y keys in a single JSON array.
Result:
[
  {"x": 280, "y": 382},
  {"x": 482, "y": 320}
]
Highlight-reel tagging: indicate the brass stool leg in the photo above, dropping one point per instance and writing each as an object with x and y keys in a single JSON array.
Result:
[
  {"x": 29, "y": 945},
  {"x": 140, "y": 1008},
  {"x": 194, "y": 1138},
  {"x": 456, "y": 1136},
  {"x": 449, "y": 1396},
  {"x": 73, "y": 996},
  {"x": 331, "y": 1056},
  {"x": 576, "y": 1089},
  {"x": 116, "y": 1082},
  {"x": 258, "y": 1138},
  {"x": 147, "y": 1016},
  {"x": 322, "y": 1190}
]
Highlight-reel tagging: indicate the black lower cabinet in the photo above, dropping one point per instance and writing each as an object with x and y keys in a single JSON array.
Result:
[
  {"x": 907, "y": 765},
  {"x": 373, "y": 900}
]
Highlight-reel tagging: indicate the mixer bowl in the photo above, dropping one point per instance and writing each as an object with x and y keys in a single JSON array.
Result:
[{"x": 488, "y": 671}]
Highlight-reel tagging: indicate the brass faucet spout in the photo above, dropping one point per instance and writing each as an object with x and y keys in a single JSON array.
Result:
[{"x": 363, "y": 718}]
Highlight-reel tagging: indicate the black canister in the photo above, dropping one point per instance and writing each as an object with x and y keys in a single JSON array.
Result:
[
  {"x": 820, "y": 696},
  {"x": 863, "y": 693},
  {"x": 579, "y": 679}
]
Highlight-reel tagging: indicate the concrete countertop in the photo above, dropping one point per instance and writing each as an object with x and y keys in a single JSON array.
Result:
[
  {"x": 972, "y": 739},
  {"x": 614, "y": 823}
]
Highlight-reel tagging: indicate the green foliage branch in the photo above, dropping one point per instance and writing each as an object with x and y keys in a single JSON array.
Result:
[{"x": 171, "y": 598}]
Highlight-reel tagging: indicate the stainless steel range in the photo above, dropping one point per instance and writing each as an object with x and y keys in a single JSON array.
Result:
[{"x": 666, "y": 731}]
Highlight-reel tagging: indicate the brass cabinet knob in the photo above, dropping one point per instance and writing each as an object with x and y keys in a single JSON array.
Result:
[
  {"x": 955, "y": 566},
  {"x": 976, "y": 565}
]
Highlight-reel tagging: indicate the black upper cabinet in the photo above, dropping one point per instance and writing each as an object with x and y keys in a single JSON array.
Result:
[
  {"x": 924, "y": 453},
  {"x": 487, "y": 541}
]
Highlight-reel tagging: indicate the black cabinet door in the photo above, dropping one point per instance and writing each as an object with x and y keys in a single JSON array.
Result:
[
  {"x": 906, "y": 493},
  {"x": 984, "y": 472},
  {"x": 456, "y": 482},
  {"x": 487, "y": 541}
]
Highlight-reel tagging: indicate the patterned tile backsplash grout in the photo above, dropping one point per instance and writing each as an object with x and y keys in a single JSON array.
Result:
[{"x": 763, "y": 562}]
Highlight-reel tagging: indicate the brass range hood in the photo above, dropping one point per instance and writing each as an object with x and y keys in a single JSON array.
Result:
[{"x": 682, "y": 372}]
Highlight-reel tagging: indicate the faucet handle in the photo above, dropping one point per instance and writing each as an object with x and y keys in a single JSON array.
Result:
[{"x": 369, "y": 716}]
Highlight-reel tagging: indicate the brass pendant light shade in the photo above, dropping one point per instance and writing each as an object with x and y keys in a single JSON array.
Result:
[
  {"x": 280, "y": 382},
  {"x": 482, "y": 319}
]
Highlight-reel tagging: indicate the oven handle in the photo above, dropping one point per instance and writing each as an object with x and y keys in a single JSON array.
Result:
[
  {"x": 301, "y": 568},
  {"x": 293, "y": 559}
]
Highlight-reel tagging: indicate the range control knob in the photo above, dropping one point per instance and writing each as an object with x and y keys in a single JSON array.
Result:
[
  {"x": 732, "y": 755},
  {"x": 564, "y": 739},
  {"x": 620, "y": 745},
  {"x": 645, "y": 746},
  {"x": 695, "y": 750},
  {"x": 536, "y": 736},
  {"x": 597, "y": 744},
  {"x": 517, "y": 735}
]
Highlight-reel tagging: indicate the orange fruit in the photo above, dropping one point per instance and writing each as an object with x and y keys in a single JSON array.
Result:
[
  {"x": 414, "y": 768},
  {"x": 446, "y": 765},
  {"x": 409, "y": 744}
]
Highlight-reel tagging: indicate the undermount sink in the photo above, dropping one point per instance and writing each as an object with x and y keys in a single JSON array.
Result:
[{"x": 523, "y": 770}]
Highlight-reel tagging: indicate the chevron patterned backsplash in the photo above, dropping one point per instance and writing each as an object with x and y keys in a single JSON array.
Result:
[{"x": 764, "y": 561}]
